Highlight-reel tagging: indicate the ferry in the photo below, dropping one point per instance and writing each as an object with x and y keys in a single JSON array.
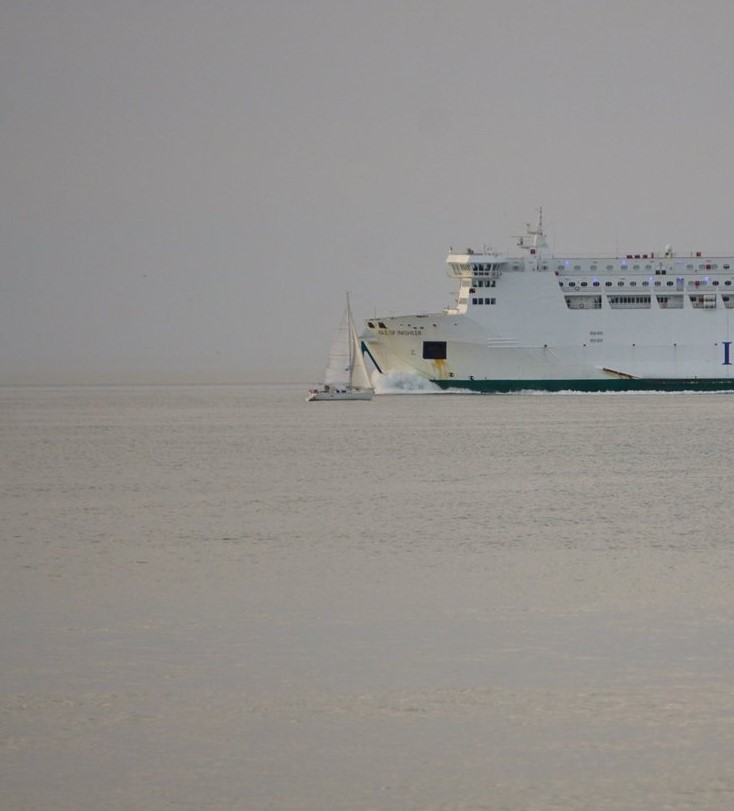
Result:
[{"x": 656, "y": 321}]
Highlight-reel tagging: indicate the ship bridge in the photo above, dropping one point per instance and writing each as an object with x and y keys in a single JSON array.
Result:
[
  {"x": 489, "y": 262},
  {"x": 469, "y": 263}
]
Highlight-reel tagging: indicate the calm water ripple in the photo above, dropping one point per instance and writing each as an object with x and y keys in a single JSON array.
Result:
[{"x": 226, "y": 598}]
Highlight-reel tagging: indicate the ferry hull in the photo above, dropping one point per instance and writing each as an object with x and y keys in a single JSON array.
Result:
[
  {"x": 473, "y": 359},
  {"x": 588, "y": 385}
]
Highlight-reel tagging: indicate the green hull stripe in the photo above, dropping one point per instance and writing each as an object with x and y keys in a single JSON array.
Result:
[
  {"x": 612, "y": 384},
  {"x": 366, "y": 351}
]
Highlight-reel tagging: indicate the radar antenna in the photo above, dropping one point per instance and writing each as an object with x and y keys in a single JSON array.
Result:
[{"x": 536, "y": 237}]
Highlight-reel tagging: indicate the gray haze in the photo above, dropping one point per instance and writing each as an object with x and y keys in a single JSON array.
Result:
[{"x": 187, "y": 189}]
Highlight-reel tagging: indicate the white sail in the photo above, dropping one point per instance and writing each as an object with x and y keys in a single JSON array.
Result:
[
  {"x": 360, "y": 378},
  {"x": 338, "y": 369}
]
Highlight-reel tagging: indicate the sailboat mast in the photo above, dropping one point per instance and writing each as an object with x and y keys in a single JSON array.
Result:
[{"x": 350, "y": 330}]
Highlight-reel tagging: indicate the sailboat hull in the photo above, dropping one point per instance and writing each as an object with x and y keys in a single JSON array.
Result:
[{"x": 321, "y": 395}]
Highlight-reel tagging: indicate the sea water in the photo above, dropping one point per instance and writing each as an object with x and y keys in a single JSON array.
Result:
[{"x": 227, "y": 598}]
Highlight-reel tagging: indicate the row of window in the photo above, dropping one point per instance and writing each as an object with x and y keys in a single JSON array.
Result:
[
  {"x": 646, "y": 283},
  {"x": 480, "y": 269},
  {"x": 706, "y": 301},
  {"x": 485, "y": 269},
  {"x": 661, "y": 271},
  {"x": 629, "y": 300},
  {"x": 481, "y": 300}
]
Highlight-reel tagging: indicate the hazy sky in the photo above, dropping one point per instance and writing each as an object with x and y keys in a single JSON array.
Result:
[{"x": 187, "y": 188}]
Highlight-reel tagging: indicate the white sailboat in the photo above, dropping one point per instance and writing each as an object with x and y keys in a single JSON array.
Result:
[{"x": 346, "y": 375}]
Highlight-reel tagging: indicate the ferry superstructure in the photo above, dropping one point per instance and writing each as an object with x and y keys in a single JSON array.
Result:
[{"x": 655, "y": 321}]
